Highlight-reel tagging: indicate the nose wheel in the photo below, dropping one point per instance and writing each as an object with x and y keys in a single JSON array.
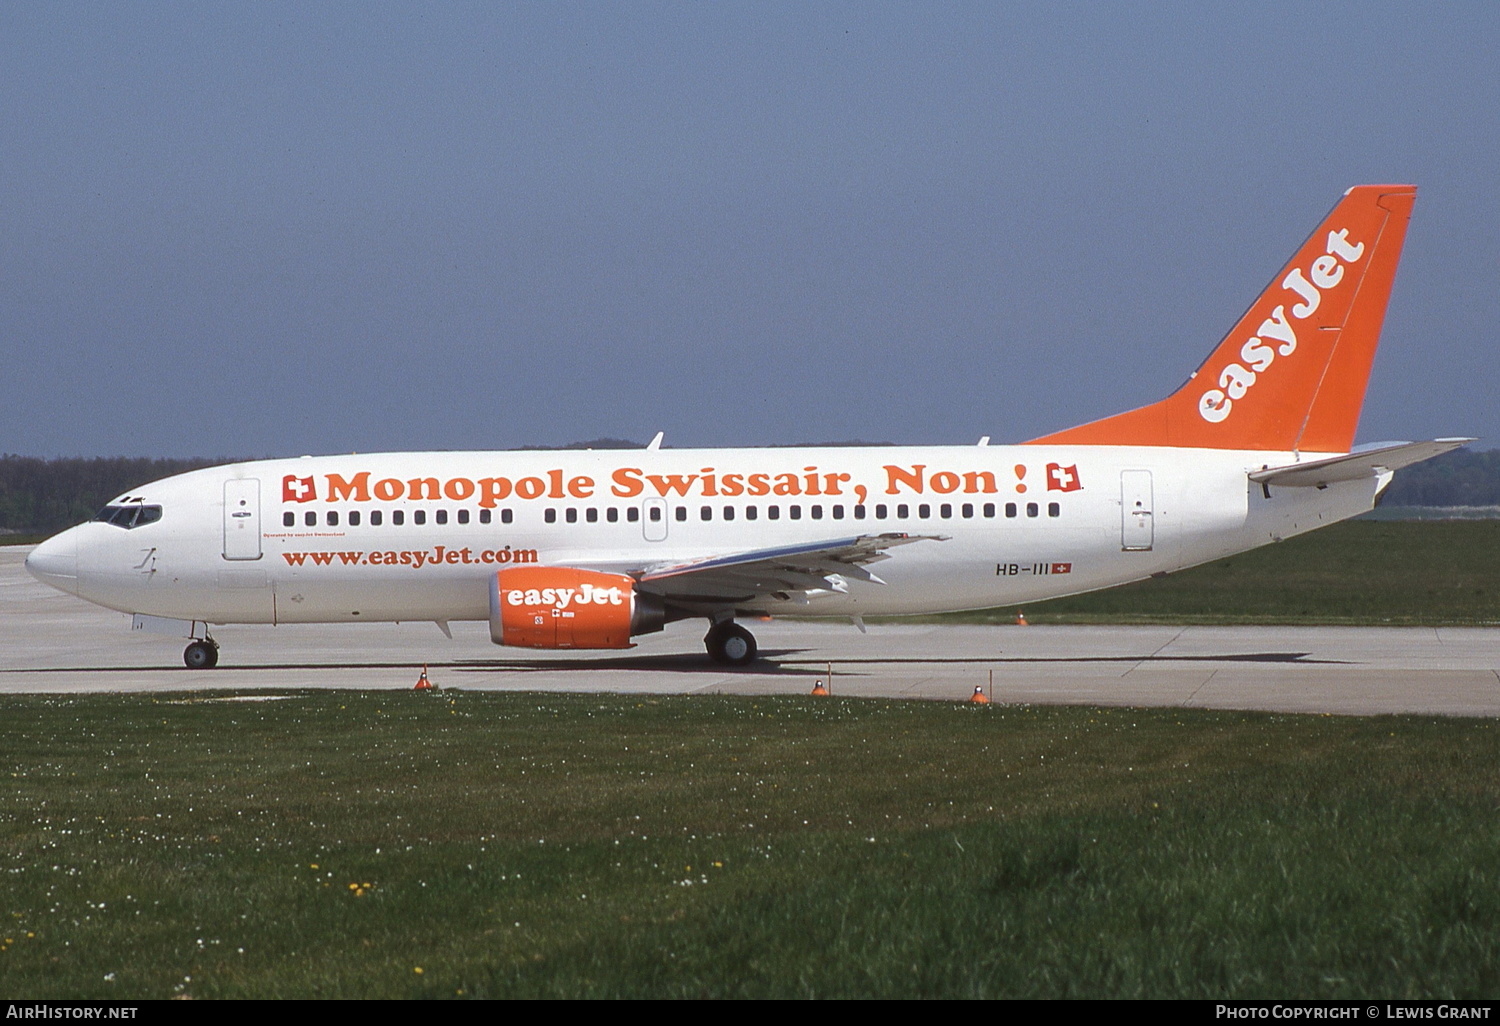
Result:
[
  {"x": 730, "y": 644},
  {"x": 201, "y": 655}
]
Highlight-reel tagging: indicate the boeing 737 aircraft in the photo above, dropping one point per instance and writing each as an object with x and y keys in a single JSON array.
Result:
[{"x": 586, "y": 549}]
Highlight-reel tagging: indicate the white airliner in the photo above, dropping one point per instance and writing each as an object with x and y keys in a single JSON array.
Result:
[{"x": 585, "y": 549}]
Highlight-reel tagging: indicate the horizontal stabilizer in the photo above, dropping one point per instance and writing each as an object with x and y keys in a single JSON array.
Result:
[{"x": 1356, "y": 465}]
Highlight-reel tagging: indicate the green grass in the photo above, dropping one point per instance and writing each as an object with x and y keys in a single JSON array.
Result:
[
  {"x": 613, "y": 846},
  {"x": 1360, "y": 572}
]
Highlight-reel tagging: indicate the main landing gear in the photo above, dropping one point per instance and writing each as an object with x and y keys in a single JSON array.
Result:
[
  {"x": 201, "y": 655},
  {"x": 730, "y": 644}
]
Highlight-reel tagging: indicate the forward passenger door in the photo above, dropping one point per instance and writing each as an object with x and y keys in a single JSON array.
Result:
[{"x": 242, "y": 519}]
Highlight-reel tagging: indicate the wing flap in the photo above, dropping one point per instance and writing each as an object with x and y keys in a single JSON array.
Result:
[{"x": 786, "y": 572}]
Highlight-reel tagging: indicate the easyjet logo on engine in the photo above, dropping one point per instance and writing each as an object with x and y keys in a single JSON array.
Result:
[
  {"x": 561, "y": 598},
  {"x": 1276, "y": 335}
]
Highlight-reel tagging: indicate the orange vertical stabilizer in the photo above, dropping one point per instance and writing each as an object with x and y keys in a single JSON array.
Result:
[{"x": 1291, "y": 375}]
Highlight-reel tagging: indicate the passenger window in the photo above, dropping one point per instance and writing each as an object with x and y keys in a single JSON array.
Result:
[
  {"x": 773, "y": 512},
  {"x": 632, "y": 515},
  {"x": 485, "y": 516},
  {"x": 354, "y": 518},
  {"x": 1054, "y": 509},
  {"x": 310, "y": 519},
  {"x": 706, "y": 513},
  {"x": 612, "y": 515},
  {"x": 1010, "y": 509},
  {"x": 989, "y": 509},
  {"x": 571, "y": 515},
  {"x": 655, "y": 514},
  {"x": 591, "y": 515},
  {"x": 681, "y": 512},
  {"x": 398, "y": 517},
  {"x": 968, "y": 511},
  {"x": 859, "y": 512},
  {"x": 838, "y": 512},
  {"x": 902, "y": 511},
  {"x": 1031, "y": 509},
  {"x": 333, "y": 518},
  {"x": 795, "y": 512},
  {"x": 441, "y": 516},
  {"x": 880, "y": 511},
  {"x": 463, "y": 516},
  {"x": 550, "y": 516},
  {"x": 419, "y": 516},
  {"x": 751, "y": 512},
  {"x": 924, "y": 511},
  {"x": 375, "y": 518},
  {"x": 728, "y": 512},
  {"x": 946, "y": 511},
  {"x": 817, "y": 512},
  {"x": 288, "y": 520},
  {"x": 506, "y": 516}
]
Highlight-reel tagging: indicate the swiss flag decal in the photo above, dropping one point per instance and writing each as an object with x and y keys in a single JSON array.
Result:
[
  {"x": 297, "y": 489},
  {"x": 1063, "y": 479}
]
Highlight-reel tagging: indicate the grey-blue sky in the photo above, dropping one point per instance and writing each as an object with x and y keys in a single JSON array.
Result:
[{"x": 272, "y": 229}]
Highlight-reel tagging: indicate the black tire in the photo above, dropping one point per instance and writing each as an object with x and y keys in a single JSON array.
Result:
[
  {"x": 201, "y": 655},
  {"x": 730, "y": 644}
]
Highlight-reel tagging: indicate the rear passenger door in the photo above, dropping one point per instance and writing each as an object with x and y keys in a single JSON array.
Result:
[{"x": 1137, "y": 519}]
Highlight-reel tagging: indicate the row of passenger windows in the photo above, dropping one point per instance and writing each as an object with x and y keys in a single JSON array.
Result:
[
  {"x": 398, "y": 517},
  {"x": 903, "y": 511},
  {"x": 611, "y": 514}
]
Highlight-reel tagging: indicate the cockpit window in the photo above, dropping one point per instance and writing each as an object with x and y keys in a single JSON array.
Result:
[{"x": 129, "y": 516}]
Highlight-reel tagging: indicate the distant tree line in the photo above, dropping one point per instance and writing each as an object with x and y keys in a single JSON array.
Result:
[
  {"x": 38, "y": 496},
  {"x": 1459, "y": 478}
]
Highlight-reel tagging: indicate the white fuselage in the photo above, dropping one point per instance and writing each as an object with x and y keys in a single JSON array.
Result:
[{"x": 418, "y": 536}]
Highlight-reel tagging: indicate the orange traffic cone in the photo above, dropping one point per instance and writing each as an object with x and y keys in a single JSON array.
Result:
[
  {"x": 423, "y": 684},
  {"x": 819, "y": 688},
  {"x": 1021, "y": 619},
  {"x": 979, "y": 697}
]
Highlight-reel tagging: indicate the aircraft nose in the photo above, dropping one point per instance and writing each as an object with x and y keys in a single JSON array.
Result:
[{"x": 55, "y": 562}]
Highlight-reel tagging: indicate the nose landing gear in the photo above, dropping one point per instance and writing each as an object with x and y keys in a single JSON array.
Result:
[
  {"x": 201, "y": 655},
  {"x": 730, "y": 644}
]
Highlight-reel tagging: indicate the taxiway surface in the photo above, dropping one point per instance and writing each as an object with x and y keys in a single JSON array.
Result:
[{"x": 50, "y": 642}]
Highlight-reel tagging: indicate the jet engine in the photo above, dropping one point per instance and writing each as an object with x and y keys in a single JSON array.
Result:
[{"x": 558, "y": 607}]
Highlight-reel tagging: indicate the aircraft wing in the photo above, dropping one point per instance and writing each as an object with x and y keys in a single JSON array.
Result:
[
  {"x": 1365, "y": 463},
  {"x": 787, "y": 573}
]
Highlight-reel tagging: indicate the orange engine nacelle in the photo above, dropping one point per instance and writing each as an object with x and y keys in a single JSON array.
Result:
[{"x": 555, "y": 607}]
